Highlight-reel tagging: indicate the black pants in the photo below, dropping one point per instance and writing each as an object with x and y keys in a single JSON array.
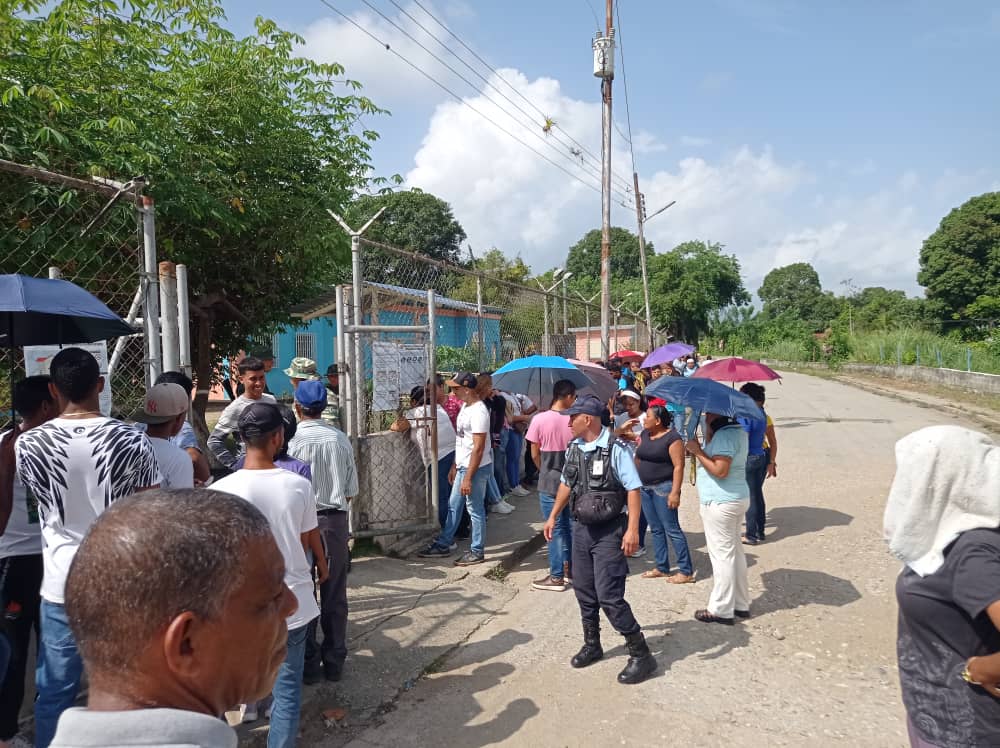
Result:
[
  {"x": 333, "y": 596},
  {"x": 599, "y": 572},
  {"x": 22, "y": 580}
]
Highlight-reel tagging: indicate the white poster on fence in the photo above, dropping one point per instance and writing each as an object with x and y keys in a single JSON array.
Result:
[
  {"x": 38, "y": 357},
  {"x": 412, "y": 366},
  {"x": 385, "y": 375}
]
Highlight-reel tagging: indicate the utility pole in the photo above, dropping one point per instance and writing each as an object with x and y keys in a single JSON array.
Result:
[
  {"x": 640, "y": 210},
  {"x": 604, "y": 68}
]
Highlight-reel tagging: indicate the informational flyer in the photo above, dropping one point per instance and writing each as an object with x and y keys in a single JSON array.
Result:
[
  {"x": 385, "y": 375},
  {"x": 412, "y": 366},
  {"x": 38, "y": 357}
]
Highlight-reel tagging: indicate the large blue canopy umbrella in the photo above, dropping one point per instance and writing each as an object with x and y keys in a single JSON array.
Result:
[
  {"x": 534, "y": 376},
  {"x": 42, "y": 311}
]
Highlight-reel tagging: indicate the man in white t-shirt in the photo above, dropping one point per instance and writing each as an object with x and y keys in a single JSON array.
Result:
[
  {"x": 76, "y": 465},
  {"x": 20, "y": 552},
  {"x": 286, "y": 499},
  {"x": 417, "y": 422},
  {"x": 469, "y": 476},
  {"x": 254, "y": 378},
  {"x": 164, "y": 411}
]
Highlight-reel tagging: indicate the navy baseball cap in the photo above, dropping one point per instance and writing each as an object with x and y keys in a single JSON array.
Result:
[
  {"x": 586, "y": 405},
  {"x": 463, "y": 379},
  {"x": 258, "y": 419},
  {"x": 311, "y": 394}
]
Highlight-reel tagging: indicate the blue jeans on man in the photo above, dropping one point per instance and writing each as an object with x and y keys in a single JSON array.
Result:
[
  {"x": 561, "y": 545},
  {"x": 477, "y": 510},
  {"x": 287, "y": 693},
  {"x": 756, "y": 513},
  {"x": 57, "y": 673},
  {"x": 665, "y": 526},
  {"x": 500, "y": 463},
  {"x": 444, "y": 487},
  {"x": 515, "y": 443}
]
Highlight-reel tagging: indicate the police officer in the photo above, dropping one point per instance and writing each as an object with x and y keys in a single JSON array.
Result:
[{"x": 599, "y": 480}]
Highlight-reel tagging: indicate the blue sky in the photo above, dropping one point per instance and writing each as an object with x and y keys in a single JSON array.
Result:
[{"x": 835, "y": 133}]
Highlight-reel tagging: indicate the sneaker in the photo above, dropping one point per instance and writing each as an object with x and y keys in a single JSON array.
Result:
[
  {"x": 434, "y": 551},
  {"x": 549, "y": 583},
  {"x": 312, "y": 674},
  {"x": 469, "y": 559},
  {"x": 453, "y": 547},
  {"x": 502, "y": 507},
  {"x": 248, "y": 713},
  {"x": 520, "y": 491},
  {"x": 639, "y": 553},
  {"x": 267, "y": 712}
]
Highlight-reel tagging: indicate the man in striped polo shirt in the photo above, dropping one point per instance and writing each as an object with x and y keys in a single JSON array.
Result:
[{"x": 335, "y": 482}]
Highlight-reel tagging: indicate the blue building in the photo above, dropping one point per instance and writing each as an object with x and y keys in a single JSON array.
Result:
[{"x": 316, "y": 337}]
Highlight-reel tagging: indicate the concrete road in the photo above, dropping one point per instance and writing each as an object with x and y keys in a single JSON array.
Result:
[{"x": 814, "y": 665}]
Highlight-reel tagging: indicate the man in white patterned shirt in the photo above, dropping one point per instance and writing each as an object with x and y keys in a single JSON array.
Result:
[{"x": 335, "y": 482}]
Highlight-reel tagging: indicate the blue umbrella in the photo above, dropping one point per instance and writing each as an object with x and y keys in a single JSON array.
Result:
[
  {"x": 704, "y": 396},
  {"x": 40, "y": 311},
  {"x": 534, "y": 376}
]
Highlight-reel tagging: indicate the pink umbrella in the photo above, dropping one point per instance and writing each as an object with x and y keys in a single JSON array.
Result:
[
  {"x": 625, "y": 355},
  {"x": 736, "y": 370}
]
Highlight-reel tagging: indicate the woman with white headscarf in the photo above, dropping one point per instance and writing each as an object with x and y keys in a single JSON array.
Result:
[{"x": 942, "y": 520}]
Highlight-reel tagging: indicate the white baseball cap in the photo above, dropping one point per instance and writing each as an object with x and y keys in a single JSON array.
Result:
[{"x": 162, "y": 403}]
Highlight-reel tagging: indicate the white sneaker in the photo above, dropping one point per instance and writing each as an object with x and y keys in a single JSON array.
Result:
[
  {"x": 453, "y": 547},
  {"x": 248, "y": 713},
  {"x": 520, "y": 491},
  {"x": 502, "y": 507},
  {"x": 639, "y": 553}
]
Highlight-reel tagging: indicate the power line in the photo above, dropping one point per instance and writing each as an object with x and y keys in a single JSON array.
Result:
[
  {"x": 594, "y": 14},
  {"x": 529, "y": 128},
  {"x": 458, "y": 98},
  {"x": 595, "y": 168},
  {"x": 580, "y": 146},
  {"x": 628, "y": 115}
]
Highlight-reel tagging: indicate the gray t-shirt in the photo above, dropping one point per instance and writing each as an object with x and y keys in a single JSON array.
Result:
[
  {"x": 148, "y": 728},
  {"x": 942, "y": 623}
]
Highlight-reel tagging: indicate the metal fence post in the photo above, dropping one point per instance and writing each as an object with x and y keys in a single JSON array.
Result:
[
  {"x": 968, "y": 359},
  {"x": 918, "y": 355},
  {"x": 937, "y": 353},
  {"x": 431, "y": 401},
  {"x": 479, "y": 320},
  {"x": 168, "y": 316},
  {"x": 151, "y": 305},
  {"x": 545, "y": 325},
  {"x": 54, "y": 273},
  {"x": 343, "y": 402},
  {"x": 183, "y": 320},
  {"x": 899, "y": 354}
]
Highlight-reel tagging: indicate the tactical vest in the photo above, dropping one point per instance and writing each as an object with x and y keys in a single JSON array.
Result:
[{"x": 594, "y": 498}]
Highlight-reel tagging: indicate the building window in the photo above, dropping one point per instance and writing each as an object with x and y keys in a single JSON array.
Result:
[{"x": 305, "y": 345}]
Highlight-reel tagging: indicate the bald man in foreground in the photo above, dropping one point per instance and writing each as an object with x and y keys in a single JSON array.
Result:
[{"x": 178, "y": 603}]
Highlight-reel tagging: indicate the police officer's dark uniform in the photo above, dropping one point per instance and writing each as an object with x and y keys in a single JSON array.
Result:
[{"x": 596, "y": 481}]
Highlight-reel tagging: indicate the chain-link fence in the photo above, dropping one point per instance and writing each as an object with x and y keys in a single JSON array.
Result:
[{"x": 87, "y": 232}]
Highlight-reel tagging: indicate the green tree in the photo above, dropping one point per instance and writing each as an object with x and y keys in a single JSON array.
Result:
[
  {"x": 795, "y": 290},
  {"x": 878, "y": 308},
  {"x": 584, "y": 259},
  {"x": 691, "y": 282},
  {"x": 960, "y": 261},
  {"x": 245, "y": 144},
  {"x": 413, "y": 220}
]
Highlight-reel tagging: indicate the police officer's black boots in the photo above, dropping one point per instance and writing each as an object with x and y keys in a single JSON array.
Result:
[
  {"x": 591, "y": 650},
  {"x": 640, "y": 662}
]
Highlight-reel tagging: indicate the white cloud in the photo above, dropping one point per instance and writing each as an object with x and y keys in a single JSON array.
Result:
[
  {"x": 768, "y": 212},
  {"x": 693, "y": 141},
  {"x": 645, "y": 142}
]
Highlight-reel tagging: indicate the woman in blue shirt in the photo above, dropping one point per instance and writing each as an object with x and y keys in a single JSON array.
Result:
[
  {"x": 724, "y": 496},
  {"x": 757, "y": 462}
]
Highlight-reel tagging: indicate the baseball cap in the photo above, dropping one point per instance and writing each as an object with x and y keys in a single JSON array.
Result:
[
  {"x": 162, "y": 402},
  {"x": 311, "y": 394},
  {"x": 301, "y": 368},
  {"x": 258, "y": 419},
  {"x": 331, "y": 370},
  {"x": 463, "y": 379},
  {"x": 263, "y": 354},
  {"x": 586, "y": 405}
]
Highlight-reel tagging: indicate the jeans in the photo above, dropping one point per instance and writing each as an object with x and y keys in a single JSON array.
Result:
[
  {"x": 57, "y": 673},
  {"x": 493, "y": 495},
  {"x": 665, "y": 526},
  {"x": 444, "y": 487},
  {"x": 477, "y": 510},
  {"x": 561, "y": 545},
  {"x": 333, "y": 529},
  {"x": 515, "y": 443},
  {"x": 287, "y": 693},
  {"x": 756, "y": 473},
  {"x": 678, "y": 417},
  {"x": 730, "y": 587},
  {"x": 22, "y": 578},
  {"x": 599, "y": 572},
  {"x": 500, "y": 464},
  {"x": 643, "y": 524}
]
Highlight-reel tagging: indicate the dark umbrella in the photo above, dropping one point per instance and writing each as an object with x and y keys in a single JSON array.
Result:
[
  {"x": 42, "y": 311},
  {"x": 704, "y": 396}
]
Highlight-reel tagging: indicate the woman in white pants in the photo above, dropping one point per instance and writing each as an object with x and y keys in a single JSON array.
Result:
[{"x": 725, "y": 497}]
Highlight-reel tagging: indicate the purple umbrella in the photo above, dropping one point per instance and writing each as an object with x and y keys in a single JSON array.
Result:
[{"x": 665, "y": 354}]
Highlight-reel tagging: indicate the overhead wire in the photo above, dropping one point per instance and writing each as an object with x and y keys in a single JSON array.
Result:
[
  {"x": 580, "y": 146},
  {"x": 461, "y": 100},
  {"x": 594, "y": 168},
  {"x": 628, "y": 114}
]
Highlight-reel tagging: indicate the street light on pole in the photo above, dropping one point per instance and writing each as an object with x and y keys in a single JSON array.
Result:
[
  {"x": 642, "y": 218},
  {"x": 545, "y": 307}
]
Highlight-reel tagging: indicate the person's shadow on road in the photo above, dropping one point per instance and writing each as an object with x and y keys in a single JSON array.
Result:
[
  {"x": 785, "y": 589},
  {"x": 799, "y": 520}
]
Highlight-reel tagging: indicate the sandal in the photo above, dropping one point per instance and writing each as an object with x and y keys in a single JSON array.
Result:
[
  {"x": 707, "y": 617},
  {"x": 653, "y": 574},
  {"x": 680, "y": 578}
]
